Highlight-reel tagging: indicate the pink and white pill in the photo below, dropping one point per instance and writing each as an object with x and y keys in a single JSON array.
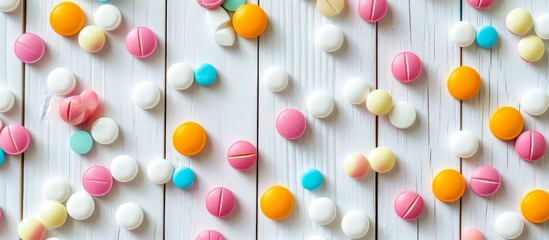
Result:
[
  {"x": 209, "y": 235},
  {"x": 408, "y": 205},
  {"x": 531, "y": 145},
  {"x": 485, "y": 181},
  {"x": 242, "y": 155},
  {"x": 406, "y": 67},
  {"x": 480, "y": 4},
  {"x": 79, "y": 108},
  {"x": 15, "y": 139},
  {"x": 220, "y": 202},
  {"x": 372, "y": 10},
  {"x": 141, "y": 42},
  {"x": 29, "y": 48},
  {"x": 97, "y": 181},
  {"x": 210, "y": 4},
  {"x": 291, "y": 124}
]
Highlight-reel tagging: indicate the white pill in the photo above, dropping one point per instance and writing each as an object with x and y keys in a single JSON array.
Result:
[
  {"x": 7, "y": 99},
  {"x": 318, "y": 238},
  {"x": 320, "y": 104},
  {"x": 160, "y": 171},
  {"x": 80, "y": 205},
  {"x": 61, "y": 81},
  {"x": 464, "y": 144},
  {"x": 509, "y": 225},
  {"x": 124, "y": 168},
  {"x": 355, "y": 224},
  {"x": 462, "y": 34},
  {"x": 276, "y": 79},
  {"x": 541, "y": 24},
  {"x": 107, "y": 17},
  {"x": 220, "y": 26},
  {"x": 402, "y": 115},
  {"x": 534, "y": 101},
  {"x": 56, "y": 189},
  {"x": 225, "y": 36},
  {"x": 356, "y": 90},
  {"x": 104, "y": 131},
  {"x": 146, "y": 95},
  {"x": 180, "y": 76},
  {"x": 322, "y": 211},
  {"x": 129, "y": 216},
  {"x": 8, "y": 5},
  {"x": 329, "y": 38}
]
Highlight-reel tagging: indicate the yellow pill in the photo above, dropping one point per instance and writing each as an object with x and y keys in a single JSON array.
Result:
[
  {"x": 189, "y": 138},
  {"x": 448, "y": 185},
  {"x": 53, "y": 214},
  {"x": 535, "y": 206},
  {"x": 464, "y": 83},
  {"x": 519, "y": 21},
  {"x": 330, "y": 8},
  {"x": 249, "y": 21},
  {"x": 30, "y": 228},
  {"x": 91, "y": 39},
  {"x": 67, "y": 19},
  {"x": 379, "y": 102},
  {"x": 277, "y": 203},
  {"x": 531, "y": 48},
  {"x": 382, "y": 159},
  {"x": 506, "y": 123}
]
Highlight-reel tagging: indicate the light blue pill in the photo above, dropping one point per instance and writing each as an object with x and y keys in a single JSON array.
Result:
[
  {"x": 103, "y": 1},
  {"x": 2, "y": 156},
  {"x": 232, "y": 5},
  {"x": 312, "y": 179},
  {"x": 183, "y": 177},
  {"x": 205, "y": 75},
  {"x": 487, "y": 37},
  {"x": 81, "y": 142}
]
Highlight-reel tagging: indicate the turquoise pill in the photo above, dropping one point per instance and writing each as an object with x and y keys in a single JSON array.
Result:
[
  {"x": 205, "y": 75},
  {"x": 312, "y": 179},
  {"x": 232, "y": 5},
  {"x": 103, "y": 1},
  {"x": 183, "y": 177},
  {"x": 487, "y": 37},
  {"x": 81, "y": 142},
  {"x": 2, "y": 156}
]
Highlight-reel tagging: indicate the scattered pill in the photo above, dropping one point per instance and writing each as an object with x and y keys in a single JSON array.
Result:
[
  {"x": 189, "y": 138},
  {"x": 250, "y": 21},
  {"x": 408, "y": 205},
  {"x": 356, "y": 165},
  {"x": 276, "y": 79},
  {"x": 56, "y": 189},
  {"x": 277, "y": 203},
  {"x": 103, "y": 1},
  {"x": 531, "y": 48},
  {"x": 53, "y": 214},
  {"x": 205, "y": 74},
  {"x": 180, "y": 76},
  {"x": 480, "y": 4},
  {"x": 540, "y": 26},
  {"x": 61, "y": 81},
  {"x": 220, "y": 26},
  {"x": 320, "y": 104},
  {"x": 104, "y": 131},
  {"x": 29, "y": 48},
  {"x": 210, "y": 4},
  {"x": 15, "y": 139},
  {"x": 330, "y": 8},
  {"x": 291, "y": 124},
  {"x": 8, "y": 5},
  {"x": 67, "y": 19},
  {"x": 129, "y": 215},
  {"x": 382, "y": 159},
  {"x": 30, "y": 228},
  {"x": 406, "y": 67},
  {"x": 329, "y": 38},
  {"x": 311, "y": 179},
  {"x": 141, "y": 42},
  {"x": 242, "y": 155},
  {"x": 97, "y": 181},
  {"x": 509, "y": 225},
  {"x": 402, "y": 115},
  {"x": 487, "y": 37},
  {"x": 146, "y": 95},
  {"x": 531, "y": 145},
  {"x": 462, "y": 34},
  {"x": 464, "y": 144},
  {"x": 464, "y": 83},
  {"x": 534, "y": 101},
  {"x": 485, "y": 181},
  {"x": 535, "y": 206},
  {"x": 372, "y": 10},
  {"x": 91, "y": 39},
  {"x": 81, "y": 142},
  {"x": 2, "y": 157},
  {"x": 322, "y": 211},
  {"x": 159, "y": 171},
  {"x": 448, "y": 185},
  {"x": 7, "y": 100},
  {"x": 183, "y": 177},
  {"x": 506, "y": 123},
  {"x": 379, "y": 102},
  {"x": 124, "y": 168},
  {"x": 233, "y": 5},
  {"x": 356, "y": 90},
  {"x": 80, "y": 205},
  {"x": 107, "y": 17},
  {"x": 472, "y": 234},
  {"x": 210, "y": 235},
  {"x": 79, "y": 108},
  {"x": 220, "y": 202},
  {"x": 519, "y": 21},
  {"x": 355, "y": 224}
]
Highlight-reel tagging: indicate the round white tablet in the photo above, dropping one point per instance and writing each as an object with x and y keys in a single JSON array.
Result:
[
  {"x": 462, "y": 34},
  {"x": 322, "y": 211},
  {"x": 320, "y": 104},
  {"x": 80, "y": 205},
  {"x": 56, "y": 189},
  {"x": 464, "y": 144},
  {"x": 124, "y": 168},
  {"x": 540, "y": 26},
  {"x": 329, "y": 38},
  {"x": 535, "y": 101},
  {"x": 402, "y": 115},
  {"x": 160, "y": 171},
  {"x": 104, "y": 131},
  {"x": 8, "y": 5},
  {"x": 7, "y": 100},
  {"x": 276, "y": 79},
  {"x": 509, "y": 225},
  {"x": 107, "y": 17},
  {"x": 356, "y": 90},
  {"x": 318, "y": 238},
  {"x": 355, "y": 224},
  {"x": 146, "y": 95},
  {"x": 180, "y": 76},
  {"x": 129, "y": 216},
  {"x": 61, "y": 81}
]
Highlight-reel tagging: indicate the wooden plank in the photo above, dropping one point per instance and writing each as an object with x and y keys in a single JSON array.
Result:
[
  {"x": 112, "y": 73},
  {"x": 228, "y": 112},
  {"x": 289, "y": 43}
]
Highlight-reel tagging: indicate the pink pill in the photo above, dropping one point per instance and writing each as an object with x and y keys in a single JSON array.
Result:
[
  {"x": 291, "y": 124},
  {"x": 1, "y": 124},
  {"x": 29, "y": 48},
  {"x": 530, "y": 145},
  {"x": 220, "y": 202},
  {"x": 406, "y": 67},
  {"x": 78, "y": 109},
  {"x": 141, "y": 42},
  {"x": 485, "y": 181},
  {"x": 480, "y": 4},
  {"x": 0, "y": 215},
  {"x": 210, "y": 235},
  {"x": 408, "y": 205},
  {"x": 242, "y": 155},
  {"x": 97, "y": 181},
  {"x": 472, "y": 234},
  {"x": 210, "y": 4},
  {"x": 372, "y": 10},
  {"x": 15, "y": 139}
]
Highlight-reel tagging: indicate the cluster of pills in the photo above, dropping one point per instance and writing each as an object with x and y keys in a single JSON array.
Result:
[
  {"x": 181, "y": 75},
  {"x": 371, "y": 11}
]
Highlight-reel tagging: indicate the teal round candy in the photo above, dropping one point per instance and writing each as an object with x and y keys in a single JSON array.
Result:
[
  {"x": 487, "y": 37},
  {"x": 312, "y": 179},
  {"x": 103, "y": 1},
  {"x": 81, "y": 142},
  {"x": 232, "y": 5},
  {"x": 205, "y": 75},
  {"x": 183, "y": 177},
  {"x": 2, "y": 156}
]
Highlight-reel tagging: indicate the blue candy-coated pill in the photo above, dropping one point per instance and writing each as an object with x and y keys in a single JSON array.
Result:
[
  {"x": 2, "y": 156},
  {"x": 183, "y": 177},
  {"x": 103, "y": 1},
  {"x": 312, "y": 179},
  {"x": 487, "y": 37},
  {"x": 205, "y": 75},
  {"x": 232, "y": 5},
  {"x": 81, "y": 142}
]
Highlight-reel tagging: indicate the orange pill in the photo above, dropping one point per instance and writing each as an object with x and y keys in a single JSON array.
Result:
[
  {"x": 249, "y": 21},
  {"x": 464, "y": 83},
  {"x": 67, "y": 19},
  {"x": 277, "y": 203},
  {"x": 448, "y": 185},
  {"x": 535, "y": 206},
  {"x": 189, "y": 138},
  {"x": 506, "y": 123}
]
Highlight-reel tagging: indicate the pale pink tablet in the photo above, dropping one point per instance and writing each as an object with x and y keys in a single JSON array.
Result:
[
  {"x": 408, "y": 205},
  {"x": 242, "y": 155},
  {"x": 480, "y": 4},
  {"x": 485, "y": 181},
  {"x": 210, "y": 235},
  {"x": 15, "y": 139},
  {"x": 210, "y": 4},
  {"x": 97, "y": 181},
  {"x": 220, "y": 202},
  {"x": 406, "y": 67},
  {"x": 79, "y": 108},
  {"x": 530, "y": 145},
  {"x": 372, "y": 10},
  {"x": 291, "y": 124},
  {"x": 141, "y": 42},
  {"x": 29, "y": 48},
  {"x": 472, "y": 234}
]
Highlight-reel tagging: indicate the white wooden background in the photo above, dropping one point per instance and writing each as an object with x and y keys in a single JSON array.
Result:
[{"x": 238, "y": 107}]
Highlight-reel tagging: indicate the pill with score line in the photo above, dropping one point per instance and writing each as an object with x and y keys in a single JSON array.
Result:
[
  {"x": 242, "y": 155},
  {"x": 97, "y": 181}
]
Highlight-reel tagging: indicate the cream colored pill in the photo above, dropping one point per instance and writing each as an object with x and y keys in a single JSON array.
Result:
[
  {"x": 382, "y": 159},
  {"x": 531, "y": 48},
  {"x": 56, "y": 189},
  {"x": 519, "y": 21},
  {"x": 30, "y": 228},
  {"x": 534, "y": 101},
  {"x": 107, "y": 17},
  {"x": 276, "y": 79},
  {"x": 129, "y": 216},
  {"x": 7, "y": 99},
  {"x": 91, "y": 39},
  {"x": 356, "y": 90},
  {"x": 146, "y": 95},
  {"x": 329, "y": 38},
  {"x": 61, "y": 81},
  {"x": 53, "y": 214},
  {"x": 104, "y": 131},
  {"x": 402, "y": 115},
  {"x": 320, "y": 104},
  {"x": 330, "y": 8},
  {"x": 8, "y": 5},
  {"x": 180, "y": 76},
  {"x": 540, "y": 26},
  {"x": 379, "y": 102},
  {"x": 464, "y": 144}
]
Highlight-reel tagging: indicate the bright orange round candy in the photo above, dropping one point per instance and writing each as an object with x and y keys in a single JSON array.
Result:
[
  {"x": 535, "y": 206},
  {"x": 448, "y": 185},
  {"x": 249, "y": 21},
  {"x": 67, "y": 19},
  {"x": 464, "y": 83},
  {"x": 277, "y": 203},
  {"x": 189, "y": 138},
  {"x": 506, "y": 123}
]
